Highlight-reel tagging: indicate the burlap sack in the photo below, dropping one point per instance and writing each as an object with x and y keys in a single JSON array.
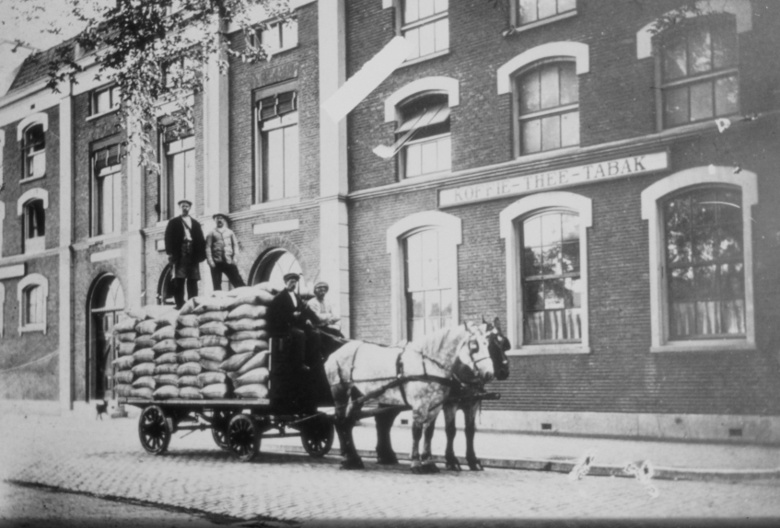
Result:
[
  {"x": 190, "y": 320},
  {"x": 144, "y": 381},
  {"x": 143, "y": 369},
  {"x": 241, "y": 325},
  {"x": 187, "y": 331},
  {"x": 166, "y": 368},
  {"x": 126, "y": 337},
  {"x": 190, "y": 393},
  {"x": 189, "y": 369},
  {"x": 209, "y": 378},
  {"x": 233, "y": 363},
  {"x": 257, "y": 361},
  {"x": 216, "y": 353},
  {"x": 123, "y": 390},
  {"x": 169, "y": 345},
  {"x": 166, "y": 379},
  {"x": 144, "y": 355},
  {"x": 215, "y": 391},
  {"x": 124, "y": 377},
  {"x": 248, "y": 334},
  {"x": 254, "y": 297},
  {"x": 213, "y": 303},
  {"x": 246, "y": 311},
  {"x": 254, "y": 391},
  {"x": 214, "y": 328},
  {"x": 212, "y": 316},
  {"x": 248, "y": 345},
  {"x": 126, "y": 324},
  {"x": 258, "y": 375},
  {"x": 188, "y": 306},
  {"x": 124, "y": 362},
  {"x": 168, "y": 357},
  {"x": 189, "y": 381},
  {"x": 166, "y": 392},
  {"x": 125, "y": 349},
  {"x": 188, "y": 343},
  {"x": 145, "y": 341},
  {"x": 142, "y": 393},
  {"x": 213, "y": 340},
  {"x": 166, "y": 332},
  {"x": 210, "y": 366},
  {"x": 186, "y": 356},
  {"x": 148, "y": 326}
]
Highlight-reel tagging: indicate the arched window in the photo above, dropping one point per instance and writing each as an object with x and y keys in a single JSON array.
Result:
[
  {"x": 32, "y": 295},
  {"x": 34, "y": 226},
  {"x": 273, "y": 265},
  {"x": 33, "y": 152},
  {"x": 423, "y": 135},
  {"x": 165, "y": 287}
]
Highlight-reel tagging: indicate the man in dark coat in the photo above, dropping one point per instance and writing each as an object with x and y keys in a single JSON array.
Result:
[
  {"x": 186, "y": 248},
  {"x": 289, "y": 315}
]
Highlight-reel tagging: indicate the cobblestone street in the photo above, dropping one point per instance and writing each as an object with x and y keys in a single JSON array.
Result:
[{"x": 105, "y": 459}]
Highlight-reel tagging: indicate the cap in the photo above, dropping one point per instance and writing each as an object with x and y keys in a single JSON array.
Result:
[
  {"x": 184, "y": 201},
  {"x": 322, "y": 284},
  {"x": 289, "y": 276},
  {"x": 220, "y": 215}
]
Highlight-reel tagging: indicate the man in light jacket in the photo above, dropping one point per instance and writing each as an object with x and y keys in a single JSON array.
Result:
[{"x": 221, "y": 253}]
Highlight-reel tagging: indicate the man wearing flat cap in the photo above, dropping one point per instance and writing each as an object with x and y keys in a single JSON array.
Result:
[
  {"x": 326, "y": 321},
  {"x": 186, "y": 249},
  {"x": 221, "y": 253},
  {"x": 289, "y": 316}
]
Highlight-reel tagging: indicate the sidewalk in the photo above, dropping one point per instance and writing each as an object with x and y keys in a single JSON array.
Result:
[{"x": 668, "y": 459}]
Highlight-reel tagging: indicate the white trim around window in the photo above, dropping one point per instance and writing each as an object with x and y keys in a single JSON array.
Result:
[
  {"x": 40, "y": 118},
  {"x": 33, "y": 279},
  {"x": 32, "y": 194},
  {"x": 579, "y": 51},
  {"x": 746, "y": 181},
  {"x": 450, "y": 231},
  {"x": 427, "y": 84},
  {"x": 741, "y": 9},
  {"x": 575, "y": 203}
]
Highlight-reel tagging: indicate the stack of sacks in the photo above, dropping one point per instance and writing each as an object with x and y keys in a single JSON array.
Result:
[
  {"x": 147, "y": 336},
  {"x": 248, "y": 367},
  {"x": 188, "y": 356},
  {"x": 165, "y": 363},
  {"x": 124, "y": 331},
  {"x": 213, "y": 345}
]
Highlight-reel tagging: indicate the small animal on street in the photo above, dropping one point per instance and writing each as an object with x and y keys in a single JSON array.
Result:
[{"x": 101, "y": 408}]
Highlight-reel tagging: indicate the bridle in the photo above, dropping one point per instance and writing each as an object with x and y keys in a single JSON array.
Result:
[{"x": 474, "y": 347}]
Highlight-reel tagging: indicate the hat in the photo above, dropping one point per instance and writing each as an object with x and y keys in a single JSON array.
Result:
[
  {"x": 322, "y": 284},
  {"x": 183, "y": 202},
  {"x": 218, "y": 215},
  {"x": 289, "y": 276}
]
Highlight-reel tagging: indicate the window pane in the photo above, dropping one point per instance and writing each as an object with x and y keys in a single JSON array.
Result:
[
  {"x": 551, "y": 132},
  {"x": 532, "y": 232},
  {"x": 569, "y": 84},
  {"x": 566, "y": 5},
  {"x": 676, "y": 106},
  {"x": 528, "y": 11},
  {"x": 418, "y": 304},
  {"x": 430, "y": 259},
  {"x": 570, "y": 257},
  {"x": 700, "y": 51},
  {"x": 429, "y": 157},
  {"x": 724, "y": 47},
  {"x": 425, "y": 8},
  {"x": 290, "y": 34},
  {"x": 291, "y": 161},
  {"x": 275, "y": 163},
  {"x": 413, "y": 40},
  {"x": 413, "y": 160},
  {"x": 427, "y": 40},
  {"x": 411, "y": 10},
  {"x": 546, "y": 8},
  {"x": 726, "y": 96},
  {"x": 441, "y": 5},
  {"x": 674, "y": 59},
  {"x": 570, "y": 129},
  {"x": 103, "y": 101},
  {"x": 38, "y": 165},
  {"x": 701, "y": 101},
  {"x": 445, "y": 153},
  {"x": 530, "y": 97},
  {"x": 531, "y": 133},
  {"x": 549, "y": 86},
  {"x": 442, "y": 31},
  {"x": 534, "y": 296}
]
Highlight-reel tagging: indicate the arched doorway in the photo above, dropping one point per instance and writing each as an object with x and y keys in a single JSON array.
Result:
[
  {"x": 106, "y": 304},
  {"x": 273, "y": 265},
  {"x": 165, "y": 287}
]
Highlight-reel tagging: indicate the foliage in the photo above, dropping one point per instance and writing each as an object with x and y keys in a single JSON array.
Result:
[{"x": 157, "y": 52}]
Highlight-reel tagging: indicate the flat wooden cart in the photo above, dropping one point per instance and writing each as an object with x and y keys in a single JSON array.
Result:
[{"x": 236, "y": 425}]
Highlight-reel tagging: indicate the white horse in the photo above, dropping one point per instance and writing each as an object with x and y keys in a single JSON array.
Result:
[{"x": 418, "y": 376}]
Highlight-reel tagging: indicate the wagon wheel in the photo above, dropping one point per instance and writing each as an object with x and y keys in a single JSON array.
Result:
[
  {"x": 219, "y": 427},
  {"x": 317, "y": 436},
  {"x": 154, "y": 430},
  {"x": 243, "y": 437}
]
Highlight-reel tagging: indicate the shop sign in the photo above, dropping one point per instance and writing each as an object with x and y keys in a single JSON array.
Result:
[{"x": 545, "y": 181}]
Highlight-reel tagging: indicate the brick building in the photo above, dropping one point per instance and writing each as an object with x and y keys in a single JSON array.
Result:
[{"x": 599, "y": 174}]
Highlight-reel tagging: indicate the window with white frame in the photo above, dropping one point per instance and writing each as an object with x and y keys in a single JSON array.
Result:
[
  {"x": 699, "y": 62},
  {"x": 276, "y": 36},
  {"x": 34, "y": 226},
  {"x": 425, "y": 25},
  {"x": 32, "y": 295},
  {"x": 546, "y": 251},
  {"x": 277, "y": 166},
  {"x": 530, "y": 11},
  {"x": 104, "y": 100},
  {"x": 107, "y": 190},
  {"x": 34, "y": 151},
  {"x": 423, "y": 136},
  {"x": 548, "y": 107},
  {"x": 178, "y": 173},
  {"x": 701, "y": 270}
]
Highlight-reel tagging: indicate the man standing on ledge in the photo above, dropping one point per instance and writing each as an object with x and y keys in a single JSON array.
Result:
[
  {"x": 186, "y": 249},
  {"x": 221, "y": 253}
]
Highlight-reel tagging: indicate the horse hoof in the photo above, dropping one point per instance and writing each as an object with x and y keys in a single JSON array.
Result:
[
  {"x": 476, "y": 466},
  {"x": 387, "y": 460},
  {"x": 429, "y": 468},
  {"x": 453, "y": 466},
  {"x": 352, "y": 463}
]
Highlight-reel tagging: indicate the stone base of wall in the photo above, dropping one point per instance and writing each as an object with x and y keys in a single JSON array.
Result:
[{"x": 682, "y": 427}]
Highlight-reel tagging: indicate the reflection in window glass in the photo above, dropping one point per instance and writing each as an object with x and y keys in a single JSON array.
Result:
[{"x": 429, "y": 279}]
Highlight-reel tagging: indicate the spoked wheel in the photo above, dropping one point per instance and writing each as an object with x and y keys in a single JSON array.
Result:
[
  {"x": 219, "y": 427},
  {"x": 243, "y": 437},
  {"x": 317, "y": 435},
  {"x": 154, "y": 430}
]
